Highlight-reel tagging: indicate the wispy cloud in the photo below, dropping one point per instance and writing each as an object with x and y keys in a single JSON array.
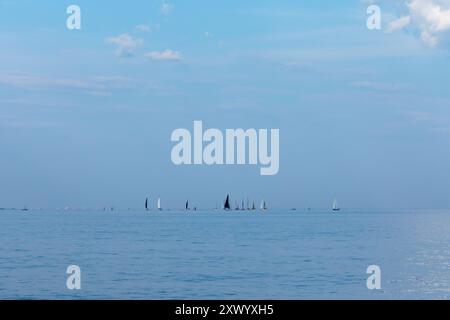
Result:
[
  {"x": 379, "y": 86},
  {"x": 427, "y": 117},
  {"x": 167, "y": 8},
  {"x": 434, "y": 122},
  {"x": 143, "y": 28},
  {"x": 126, "y": 44},
  {"x": 28, "y": 124},
  {"x": 96, "y": 85},
  {"x": 166, "y": 55},
  {"x": 31, "y": 81},
  {"x": 398, "y": 24}
]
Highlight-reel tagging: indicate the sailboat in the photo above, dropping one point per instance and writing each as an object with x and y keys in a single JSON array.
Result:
[
  {"x": 146, "y": 203},
  {"x": 253, "y": 207},
  {"x": 226, "y": 205},
  {"x": 263, "y": 206},
  {"x": 243, "y": 206},
  {"x": 335, "y": 205},
  {"x": 187, "y": 205},
  {"x": 159, "y": 204}
]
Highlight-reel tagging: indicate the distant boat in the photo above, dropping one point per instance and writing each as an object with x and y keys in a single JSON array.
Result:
[
  {"x": 158, "y": 205},
  {"x": 335, "y": 205},
  {"x": 263, "y": 206},
  {"x": 253, "y": 207},
  {"x": 243, "y": 206},
  {"x": 187, "y": 205},
  {"x": 25, "y": 209},
  {"x": 146, "y": 203},
  {"x": 236, "y": 206},
  {"x": 226, "y": 205}
]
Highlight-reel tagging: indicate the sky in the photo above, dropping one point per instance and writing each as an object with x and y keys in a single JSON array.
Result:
[{"x": 86, "y": 115}]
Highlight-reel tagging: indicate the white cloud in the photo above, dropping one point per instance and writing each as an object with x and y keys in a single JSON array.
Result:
[
  {"x": 430, "y": 17},
  {"x": 126, "y": 44},
  {"x": 428, "y": 38},
  {"x": 431, "y": 14},
  {"x": 398, "y": 24},
  {"x": 143, "y": 28},
  {"x": 167, "y": 8},
  {"x": 168, "y": 55}
]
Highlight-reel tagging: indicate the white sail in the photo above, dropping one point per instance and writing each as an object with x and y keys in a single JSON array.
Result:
[
  {"x": 335, "y": 205},
  {"x": 159, "y": 204},
  {"x": 263, "y": 205}
]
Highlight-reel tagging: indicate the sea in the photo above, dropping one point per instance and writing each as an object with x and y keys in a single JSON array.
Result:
[{"x": 277, "y": 254}]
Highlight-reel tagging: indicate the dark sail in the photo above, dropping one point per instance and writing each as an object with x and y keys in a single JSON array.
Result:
[
  {"x": 187, "y": 205},
  {"x": 226, "y": 206},
  {"x": 146, "y": 203}
]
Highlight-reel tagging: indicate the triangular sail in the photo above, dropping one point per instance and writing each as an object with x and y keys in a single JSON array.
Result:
[
  {"x": 263, "y": 205},
  {"x": 335, "y": 205},
  {"x": 227, "y": 206},
  {"x": 159, "y": 204},
  {"x": 146, "y": 203}
]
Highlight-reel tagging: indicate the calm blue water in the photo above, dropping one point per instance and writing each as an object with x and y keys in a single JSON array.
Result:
[{"x": 277, "y": 255}]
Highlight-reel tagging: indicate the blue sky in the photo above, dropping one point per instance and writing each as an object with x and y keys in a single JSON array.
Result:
[{"x": 86, "y": 116}]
